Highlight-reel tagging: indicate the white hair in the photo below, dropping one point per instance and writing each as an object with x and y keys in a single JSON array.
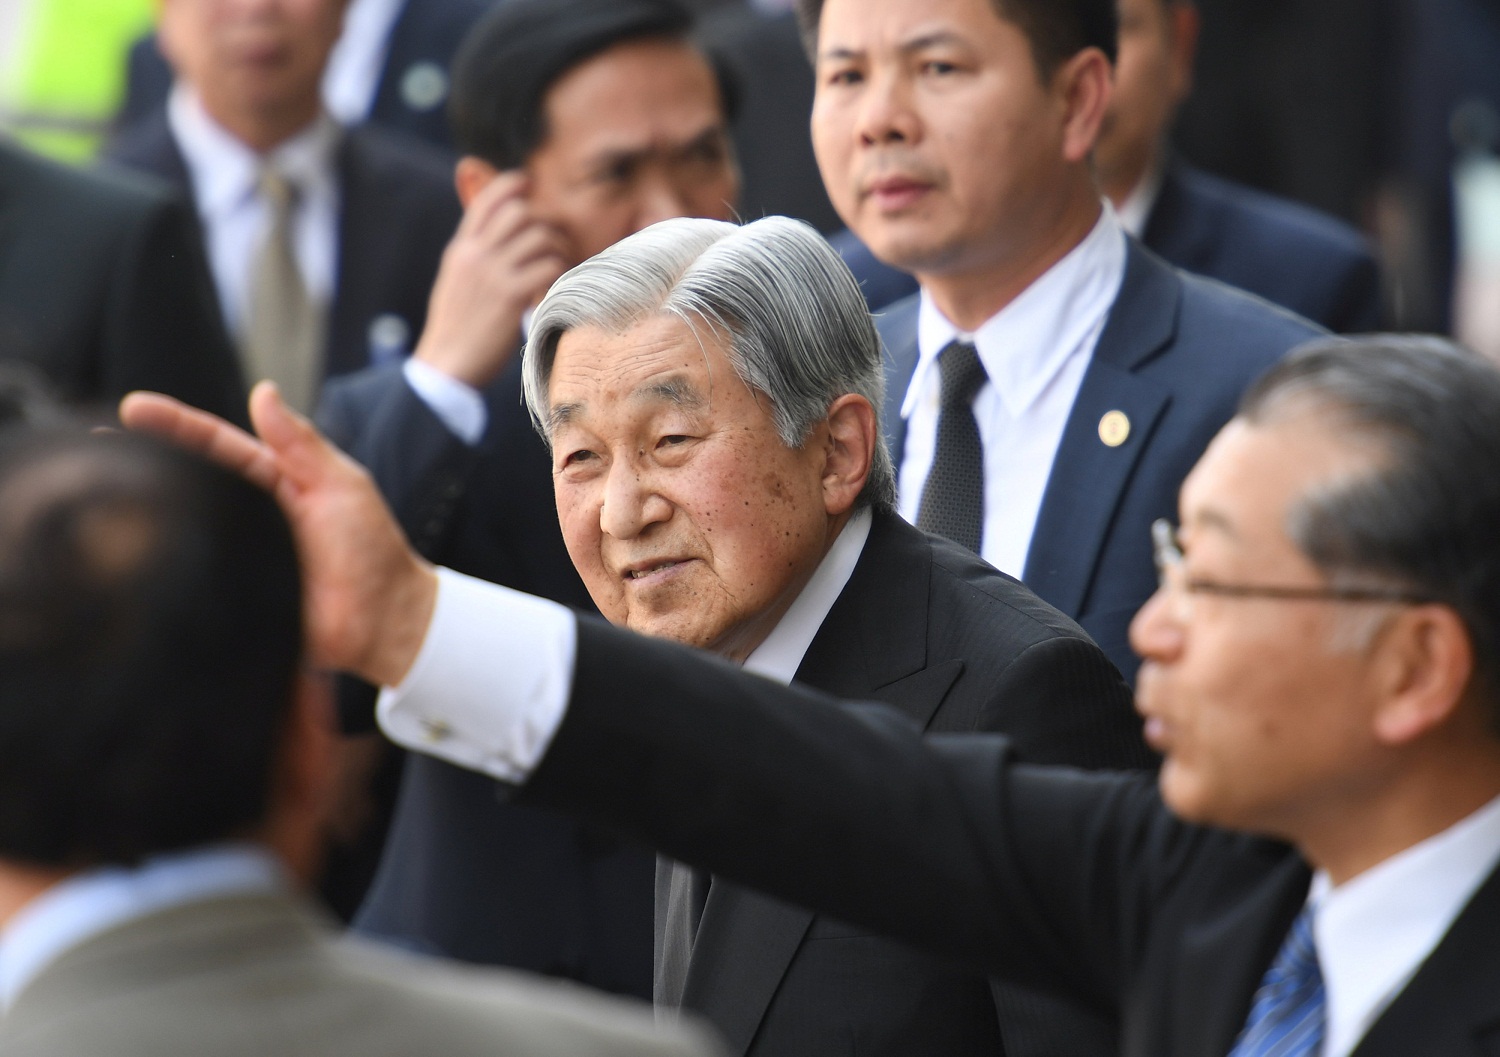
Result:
[{"x": 798, "y": 327}]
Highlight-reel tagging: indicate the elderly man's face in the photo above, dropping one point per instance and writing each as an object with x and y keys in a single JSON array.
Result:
[
  {"x": 1263, "y": 707},
  {"x": 686, "y": 515},
  {"x": 635, "y": 134}
]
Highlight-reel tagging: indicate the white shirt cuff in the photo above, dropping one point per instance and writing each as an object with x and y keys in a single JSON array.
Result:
[
  {"x": 491, "y": 682},
  {"x": 457, "y": 405}
]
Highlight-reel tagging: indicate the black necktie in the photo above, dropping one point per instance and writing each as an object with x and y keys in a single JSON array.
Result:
[{"x": 953, "y": 498}]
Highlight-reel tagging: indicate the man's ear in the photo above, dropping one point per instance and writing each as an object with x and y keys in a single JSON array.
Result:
[
  {"x": 1085, "y": 83},
  {"x": 1184, "y": 26},
  {"x": 1426, "y": 665},
  {"x": 850, "y": 452},
  {"x": 305, "y": 777},
  {"x": 470, "y": 176}
]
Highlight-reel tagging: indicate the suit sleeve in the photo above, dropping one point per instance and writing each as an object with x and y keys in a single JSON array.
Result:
[
  {"x": 162, "y": 328},
  {"x": 419, "y": 465},
  {"x": 1045, "y": 877}
]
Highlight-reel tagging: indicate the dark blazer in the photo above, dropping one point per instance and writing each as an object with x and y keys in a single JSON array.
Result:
[
  {"x": 267, "y": 974},
  {"x": 398, "y": 209},
  {"x": 1083, "y": 884},
  {"x": 103, "y": 288},
  {"x": 1290, "y": 254},
  {"x": 410, "y": 95},
  {"x": 925, "y": 626},
  {"x": 1175, "y": 354},
  {"x": 1293, "y": 256},
  {"x": 465, "y": 875}
]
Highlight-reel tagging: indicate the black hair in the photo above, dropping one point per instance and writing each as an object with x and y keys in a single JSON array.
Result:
[
  {"x": 1056, "y": 29},
  {"x": 519, "y": 50},
  {"x": 150, "y": 633}
]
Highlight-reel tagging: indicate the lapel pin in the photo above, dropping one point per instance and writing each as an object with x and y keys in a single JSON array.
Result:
[
  {"x": 424, "y": 86},
  {"x": 1114, "y": 428}
]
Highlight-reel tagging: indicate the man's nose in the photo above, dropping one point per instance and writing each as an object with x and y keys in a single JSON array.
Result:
[
  {"x": 1157, "y": 631},
  {"x": 631, "y": 502},
  {"x": 885, "y": 113}
]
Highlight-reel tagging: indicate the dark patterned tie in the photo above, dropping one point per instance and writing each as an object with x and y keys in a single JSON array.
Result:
[
  {"x": 1288, "y": 1015},
  {"x": 953, "y": 497}
]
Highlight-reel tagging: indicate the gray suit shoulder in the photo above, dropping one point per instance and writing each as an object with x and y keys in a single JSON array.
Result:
[{"x": 467, "y": 1010}]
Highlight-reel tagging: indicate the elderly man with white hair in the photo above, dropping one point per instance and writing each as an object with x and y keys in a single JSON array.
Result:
[{"x": 709, "y": 394}]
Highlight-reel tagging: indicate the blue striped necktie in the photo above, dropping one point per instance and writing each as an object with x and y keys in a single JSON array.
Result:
[{"x": 1286, "y": 1019}]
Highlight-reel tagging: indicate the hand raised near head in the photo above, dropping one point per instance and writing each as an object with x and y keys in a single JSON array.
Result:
[
  {"x": 500, "y": 262},
  {"x": 368, "y": 596}
]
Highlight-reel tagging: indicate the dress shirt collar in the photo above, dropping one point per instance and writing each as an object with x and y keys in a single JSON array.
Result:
[
  {"x": 225, "y": 171},
  {"x": 780, "y": 655},
  {"x": 1026, "y": 343},
  {"x": 87, "y": 904},
  {"x": 1375, "y": 930},
  {"x": 356, "y": 62}
]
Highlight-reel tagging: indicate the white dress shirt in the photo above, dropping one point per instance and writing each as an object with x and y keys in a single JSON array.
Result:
[
  {"x": 236, "y": 219},
  {"x": 90, "y": 903},
  {"x": 355, "y": 64},
  {"x": 491, "y": 684},
  {"x": 1035, "y": 351},
  {"x": 446, "y": 706},
  {"x": 1374, "y": 931}
]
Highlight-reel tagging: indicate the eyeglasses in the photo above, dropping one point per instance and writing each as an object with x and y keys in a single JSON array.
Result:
[{"x": 1168, "y": 555}]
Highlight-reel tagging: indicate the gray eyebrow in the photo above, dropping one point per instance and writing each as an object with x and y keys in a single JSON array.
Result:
[{"x": 672, "y": 390}]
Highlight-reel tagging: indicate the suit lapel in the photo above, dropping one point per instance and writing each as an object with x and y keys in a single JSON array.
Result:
[
  {"x": 1452, "y": 1005},
  {"x": 1089, "y": 475},
  {"x": 747, "y": 941},
  {"x": 1221, "y": 961}
]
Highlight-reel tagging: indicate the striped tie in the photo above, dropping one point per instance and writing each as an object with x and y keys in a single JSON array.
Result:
[{"x": 1287, "y": 1017}]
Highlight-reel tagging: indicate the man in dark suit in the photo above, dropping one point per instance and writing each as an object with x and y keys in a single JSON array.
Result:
[
  {"x": 369, "y": 216},
  {"x": 1289, "y": 254},
  {"x": 735, "y": 495},
  {"x": 1102, "y": 372},
  {"x": 1318, "y": 864},
  {"x": 166, "y": 765},
  {"x": 411, "y": 51},
  {"x": 580, "y": 122},
  {"x": 103, "y": 288}
]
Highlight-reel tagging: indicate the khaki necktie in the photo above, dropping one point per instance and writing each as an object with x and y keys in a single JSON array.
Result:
[{"x": 283, "y": 337}]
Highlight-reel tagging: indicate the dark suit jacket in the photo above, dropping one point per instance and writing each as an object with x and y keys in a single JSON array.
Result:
[
  {"x": 410, "y": 96},
  {"x": 103, "y": 288},
  {"x": 465, "y": 875},
  {"x": 1175, "y": 354},
  {"x": 1080, "y": 883},
  {"x": 925, "y": 626},
  {"x": 1292, "y": 256},
  {"x": 266, "y": 974},
  {"x": 398, "y": 209}
]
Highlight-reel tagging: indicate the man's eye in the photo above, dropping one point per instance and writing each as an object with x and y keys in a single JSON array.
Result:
[
  {"x": 673, "y": 439},
  {"x": 843, "y": 77},
  {"x": 939, "y": 67},
  {"x": 575, "y": 458}
]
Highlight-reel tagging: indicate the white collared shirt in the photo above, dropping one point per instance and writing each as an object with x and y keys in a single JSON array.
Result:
[
  {"x": 446, "y": 707},
  {"x": 235, "y": 218},
  {"x": 1135, "y": 211},
  {"x": 1035, "y": 351},
  {"x": 90, "y": 903},
  {"x": 355, "y": 64},
  {"x": 1375, "y": 930}
]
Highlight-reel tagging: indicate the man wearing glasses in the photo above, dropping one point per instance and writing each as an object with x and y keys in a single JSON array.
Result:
[{"x": 1315, "y": 872}]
